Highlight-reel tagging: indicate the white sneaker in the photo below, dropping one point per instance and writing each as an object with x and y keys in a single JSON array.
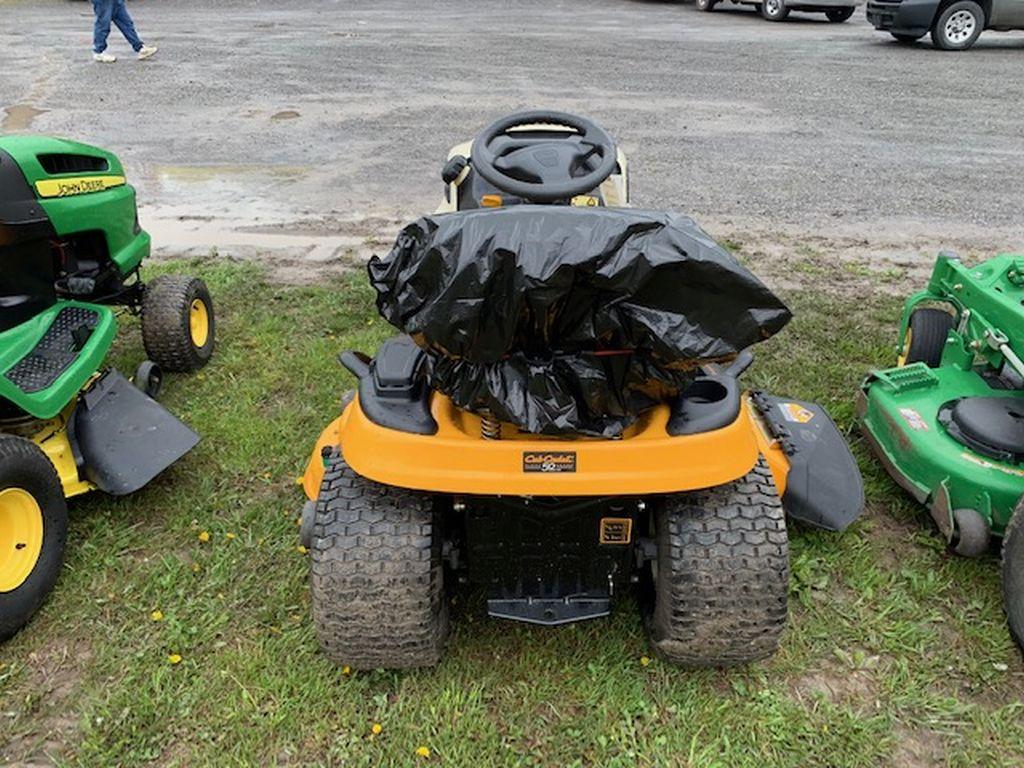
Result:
[
  {"x": 146, "y": 51},
  {"x": 104, "y": 58}
]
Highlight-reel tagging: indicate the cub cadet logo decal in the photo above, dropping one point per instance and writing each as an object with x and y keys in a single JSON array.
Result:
[
  {"x": 795, "y": 413},
  {"x": 80, "y": 185},
  {"x": 549, "y": 461}
]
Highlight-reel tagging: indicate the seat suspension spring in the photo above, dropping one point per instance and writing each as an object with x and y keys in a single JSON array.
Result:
[{"x": 490, "y": 427}]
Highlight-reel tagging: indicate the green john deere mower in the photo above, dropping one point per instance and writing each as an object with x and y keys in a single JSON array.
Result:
[
  {"x": 948, "y": 421},
  {"x": 70, "y": 252}
]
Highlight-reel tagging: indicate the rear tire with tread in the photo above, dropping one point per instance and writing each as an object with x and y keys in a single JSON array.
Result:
[
  {"x": 722, "y": 579},
  {"x": 1013, "y": 573},
  {"x": 377, "y": 577}
]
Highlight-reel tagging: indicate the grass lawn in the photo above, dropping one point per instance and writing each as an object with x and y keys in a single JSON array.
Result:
[{"x": 896, "y": 653}]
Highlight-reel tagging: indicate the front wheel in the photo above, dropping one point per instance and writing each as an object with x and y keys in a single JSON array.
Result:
[
  {"x": 721, "y": 574},
  {"x": 178, "y": 326},
  {"x": 1013, "y": 573},
  {"x": 377, "y": 578},
  {"x": 958, "y": 27},
  {"x": 774, "y": 10},
  {"x": 838, "y": 15},
  {"x": 33, "y": 529}
]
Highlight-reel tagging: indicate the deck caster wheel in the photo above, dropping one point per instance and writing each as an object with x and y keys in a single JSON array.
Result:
[
  {"x": 33, "y": 529},
  {"x": 1013, "y": 574},
  {"x": 705, "y": 5},
  {"x": 926, "y": 337},
  {"x": 178, "y": 327},
  {"x": 377, "y": 578},
  {"x": 971, "y": 534},
  {"x": 149, "y": 378},
  {"x": 721, "y": 576}
]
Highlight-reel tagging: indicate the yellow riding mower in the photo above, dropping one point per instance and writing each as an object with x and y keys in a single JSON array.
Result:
[{"x": 563, "y": 421}]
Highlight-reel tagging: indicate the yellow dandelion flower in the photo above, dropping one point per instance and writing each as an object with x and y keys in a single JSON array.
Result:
[
  {"x": 376, "y": 729},
  {"x": 196, "y": 567},
  {"x": 301, "y": 549},
  {"x": 346, "y": 670},
  {"x": 157, "y": 615},
  {"x": 204, "y": 536},
  {"x": 174, "y": 658},
  {"x": 644, "y": 661},
  {"x": 229, "y": 536},
  {"x": 423, "y": 752}
]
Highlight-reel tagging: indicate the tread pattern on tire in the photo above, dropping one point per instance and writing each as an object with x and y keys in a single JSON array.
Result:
[
  {"x": 929, "y": 328},
  {"x": 723, "y": 573},
  {"x": 165, "y": 323},
  {"x": 1012, "y": 574},
  {"x": 26, "y": 466},
  {"x": 376, "y": 575}
]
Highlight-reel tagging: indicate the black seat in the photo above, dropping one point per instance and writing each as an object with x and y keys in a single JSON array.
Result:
[{"x": 992, "y": 426}]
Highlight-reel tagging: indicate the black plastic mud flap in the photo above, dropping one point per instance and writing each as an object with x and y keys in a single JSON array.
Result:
[
  {"x": 126, "y": 438},
  {"x": 824, "y": 487}
]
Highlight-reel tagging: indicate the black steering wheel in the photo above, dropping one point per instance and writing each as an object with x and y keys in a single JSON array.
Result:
[{"x": 544, "y": 168}]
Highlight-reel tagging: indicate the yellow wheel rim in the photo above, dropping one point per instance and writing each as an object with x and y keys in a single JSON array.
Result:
[
  {"x": 21, "y": 537},
  {"x": 902, "y": 359},
  {"x": 199, "y": 323}
]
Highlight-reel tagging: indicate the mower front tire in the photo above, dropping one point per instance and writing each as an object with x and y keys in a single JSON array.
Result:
[
  {"x": 377, "y": 578},
  {"x": 178, "y": 326},
  {"x": 33, "y": 531},
  {"x": 721, "y": 577},
  {"x": 926, "y": 336}
]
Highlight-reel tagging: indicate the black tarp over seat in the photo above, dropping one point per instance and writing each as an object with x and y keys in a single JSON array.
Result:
[{"x": 569, "y": 320}]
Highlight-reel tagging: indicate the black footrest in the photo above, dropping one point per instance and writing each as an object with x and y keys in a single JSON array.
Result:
[{"x": 56, "y": 351}]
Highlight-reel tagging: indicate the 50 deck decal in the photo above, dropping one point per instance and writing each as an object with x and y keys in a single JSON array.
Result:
[{"x": 549, "y": 461}]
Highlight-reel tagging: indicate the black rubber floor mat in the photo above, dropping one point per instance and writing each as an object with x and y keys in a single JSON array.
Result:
[{"x": 55, "y": 351}]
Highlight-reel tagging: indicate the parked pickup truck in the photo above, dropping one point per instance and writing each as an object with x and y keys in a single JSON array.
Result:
[{"x": 954, "y": 24}]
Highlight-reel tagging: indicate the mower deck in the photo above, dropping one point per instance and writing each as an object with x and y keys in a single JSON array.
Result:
[{"x": 899, "y": 410}]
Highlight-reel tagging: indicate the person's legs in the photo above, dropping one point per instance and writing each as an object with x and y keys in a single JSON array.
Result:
[
  {"x": 124, "y": 22},
  {"x": 104, "y": 10}
]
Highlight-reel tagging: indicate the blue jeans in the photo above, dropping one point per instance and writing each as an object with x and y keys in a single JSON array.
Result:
[{"x": 112, "y": 11}]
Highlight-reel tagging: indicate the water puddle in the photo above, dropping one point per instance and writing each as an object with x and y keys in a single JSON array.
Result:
[{"x": 19, "y": 117}]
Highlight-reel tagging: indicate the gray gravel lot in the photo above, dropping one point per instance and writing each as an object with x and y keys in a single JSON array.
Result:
[{"x": 324, "y": 123}]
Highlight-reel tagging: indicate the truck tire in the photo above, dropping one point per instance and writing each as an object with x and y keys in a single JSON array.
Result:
[
  {"x": 178, "y": 326},
  {"x": 926, "y": 336},
  {"x": 33, "y": 531},
  {"x": 1013, "y": 573},
  {"x": 774, "y": 10},
  {"x": 957, "y": 28},
  {"x": 839, "y": 15},
  {"x": 721, "y": 576},
  {"x": 377, "y": 580}
]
